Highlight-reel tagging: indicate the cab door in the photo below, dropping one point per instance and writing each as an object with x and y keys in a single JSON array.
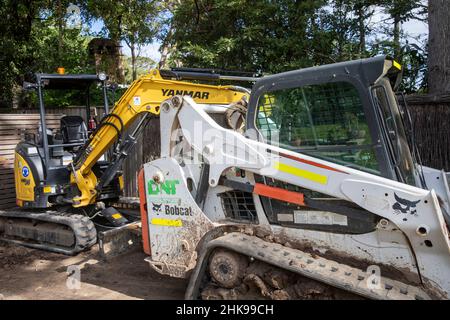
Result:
[{"x": 332, "y": 120}]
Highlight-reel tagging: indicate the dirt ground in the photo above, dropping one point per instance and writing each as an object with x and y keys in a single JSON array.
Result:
[{"x": 32, "y": 274}]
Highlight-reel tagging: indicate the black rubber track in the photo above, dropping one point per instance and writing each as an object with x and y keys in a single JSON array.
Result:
[{"x": 82, "y": 227}]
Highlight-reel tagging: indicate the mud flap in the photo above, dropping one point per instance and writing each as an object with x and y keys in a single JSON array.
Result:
[{"x": 119, "y": 240}]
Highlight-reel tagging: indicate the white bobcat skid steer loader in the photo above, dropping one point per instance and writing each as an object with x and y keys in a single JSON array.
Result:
[{"x": 321, "y": 197}]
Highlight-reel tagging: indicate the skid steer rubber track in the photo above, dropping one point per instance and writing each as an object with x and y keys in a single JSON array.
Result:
[
  {"x": 49, "y": 230},
  {"x": 323, "y": 270}
]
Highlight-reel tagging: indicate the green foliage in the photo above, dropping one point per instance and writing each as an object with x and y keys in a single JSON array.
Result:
[
  {"x": 15, "y": 26},
  {"x": 143, "y": 66},
  {"x": 70, "y": 53},
  {"x": 131, "y": 21},
  {"x": 265, "y": 36},
  {"x": 37, "y": 41},
  {"x": 404, "y": 10},
  {"x": 74, "y": 57},
  {"x": 392, "y": 40},
  {"x": 271, "y": 36}
]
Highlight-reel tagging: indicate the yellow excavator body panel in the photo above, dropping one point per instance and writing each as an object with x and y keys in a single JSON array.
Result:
[{"x": 24, "y": 180}]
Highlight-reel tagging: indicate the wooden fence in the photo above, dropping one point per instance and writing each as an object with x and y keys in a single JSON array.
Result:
[
  {"x": 13, "y": 128},
  {"x": 431, "y": 118}
]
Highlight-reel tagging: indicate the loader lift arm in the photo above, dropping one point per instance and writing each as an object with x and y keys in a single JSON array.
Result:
[{"x": 143, "y": 97}]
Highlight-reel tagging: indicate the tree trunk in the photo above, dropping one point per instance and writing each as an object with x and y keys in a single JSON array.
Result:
[
  {"x": 439, "y": 46},
  {"x": 166, "y": 49},
  {"x": 133, "y": 60},
  {"x": 397, "y": 50},
  {"x": 60, "y": 18},
  {"x": 362, "y": 31}
]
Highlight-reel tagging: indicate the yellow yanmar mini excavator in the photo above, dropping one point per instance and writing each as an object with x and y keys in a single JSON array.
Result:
[{"x": 65, "y": 180}]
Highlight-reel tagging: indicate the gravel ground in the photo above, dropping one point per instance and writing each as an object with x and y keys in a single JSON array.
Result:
[{"x": 33, "y": 274}]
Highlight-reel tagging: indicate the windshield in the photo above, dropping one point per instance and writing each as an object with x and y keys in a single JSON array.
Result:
[
  {"x": 325, "y": 120},
  {"x": 394, "y": 131}
]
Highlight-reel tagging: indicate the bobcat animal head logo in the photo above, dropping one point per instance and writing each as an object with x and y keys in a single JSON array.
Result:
[
  {"x": 157, "y": 207},
  {"x": 405, "y": 206}
]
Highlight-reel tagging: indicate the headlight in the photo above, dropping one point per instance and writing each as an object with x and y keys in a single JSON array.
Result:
[{"x": 102, "y": 76}]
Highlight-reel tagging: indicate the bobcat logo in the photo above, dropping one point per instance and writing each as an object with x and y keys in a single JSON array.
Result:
[
  {"x": 405, "y": 206},
  {"x": 157, "y": 207}
]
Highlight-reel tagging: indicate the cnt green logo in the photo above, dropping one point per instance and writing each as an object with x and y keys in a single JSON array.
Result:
[{"x": 168, "y": 187}]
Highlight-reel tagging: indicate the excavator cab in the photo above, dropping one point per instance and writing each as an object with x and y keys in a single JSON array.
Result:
[{"x": 42, "y": 163}]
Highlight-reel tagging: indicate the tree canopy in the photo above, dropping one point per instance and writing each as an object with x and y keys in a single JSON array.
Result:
[
  {"x": 265, "y": 36},
  {"x": 270, "y": 36}
]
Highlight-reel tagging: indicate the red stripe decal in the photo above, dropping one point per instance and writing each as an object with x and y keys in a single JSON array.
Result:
[
  {"x": 279, "y": 194},
  {"x": 312, "y": 163},
  {"x": 144, "y": 213}
]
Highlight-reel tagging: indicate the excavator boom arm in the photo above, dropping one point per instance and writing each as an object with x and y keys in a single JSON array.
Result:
[{"x": 144, "y": 96}]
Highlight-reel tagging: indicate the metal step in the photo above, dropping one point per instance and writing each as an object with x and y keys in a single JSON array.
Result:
[{"x": 318, "y": 268}]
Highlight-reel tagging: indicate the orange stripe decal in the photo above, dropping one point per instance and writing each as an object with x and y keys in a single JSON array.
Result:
[
  {"x": 279, "y": 194},
  {"x": 311, "y": 163},
  {"x": 144, "y": 214}
]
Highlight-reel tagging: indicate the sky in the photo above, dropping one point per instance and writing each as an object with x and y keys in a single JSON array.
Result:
[{"x": 413, "y": 28}]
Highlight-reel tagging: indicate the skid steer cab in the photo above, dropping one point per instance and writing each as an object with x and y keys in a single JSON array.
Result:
[{"x": 322, "y": 195}]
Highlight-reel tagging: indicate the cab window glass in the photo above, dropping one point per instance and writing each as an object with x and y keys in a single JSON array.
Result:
[{"x": 326, "y": 121}]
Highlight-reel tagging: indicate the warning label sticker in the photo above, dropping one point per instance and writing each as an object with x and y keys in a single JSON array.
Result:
[
  {"x": 137, "y": 100},
  {"x": 319, "y": 217}
]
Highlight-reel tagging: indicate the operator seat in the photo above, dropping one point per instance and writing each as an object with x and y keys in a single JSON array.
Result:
[
  {"x": 73, "y": 129},
  {"x": 40, "y": 136}
]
